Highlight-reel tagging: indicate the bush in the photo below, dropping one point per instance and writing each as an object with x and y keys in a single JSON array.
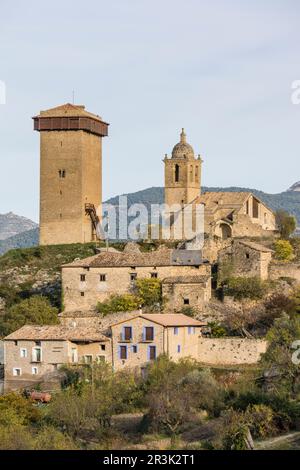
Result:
[
  {"x": 286, "y": 223},
  {"x": 149, "y": 291},
  {"x": 217, "y": 330},
  {"x": 36, "y": 310},
  {"x": 119, "y": 303},
  {"x": 245, "y": 288},
  {"x": 283, "y": 250},
  {"x": 188, "y": 311}
]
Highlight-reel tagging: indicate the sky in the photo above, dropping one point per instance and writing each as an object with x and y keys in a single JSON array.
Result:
[{"x": 222, "y": 69}]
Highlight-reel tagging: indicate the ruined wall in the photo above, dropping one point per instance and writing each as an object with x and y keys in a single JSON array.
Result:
[
  {"x": 197, "y": 294},
  {"x": 230, "y": 351},
  {"x": 278, "y": 270}
]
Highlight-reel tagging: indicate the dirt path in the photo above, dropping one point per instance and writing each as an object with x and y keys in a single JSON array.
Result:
[{"x": 288, "y": 441}]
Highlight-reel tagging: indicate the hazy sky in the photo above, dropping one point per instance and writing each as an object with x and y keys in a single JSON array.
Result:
[{"x": 222, "y": 69}]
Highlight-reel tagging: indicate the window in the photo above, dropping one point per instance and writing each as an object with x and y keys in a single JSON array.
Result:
[
  {"x": 23, "y": 352},
  {"x": 176, "y": 173},
  {"x": 62, "y": 173},
  {"x": 191, "y": 330},
  {"x": 148, "y": 333},
  {"x": 102, "y": 347},
  {"x": 154, "y": 275},
  {"x": 100, "y": 358},
  {"x": 134, "y": 348},
  {"x": 36, "y": 354},
  {"x": 88, "y": 358},
  {"x": 82, "y": 277},
  {"x": 102, "y": 277},
  {"x": 247, "y": 255},
  {"x": 186, "y": 301},
  {"x": 191, "y": 173},
  {"x": 127, "y": 333},
  {"x": 133, "y": 276},
  {"x": 176, "y": 330},
  {"x": 151, "y": 353},
  {"x": 82, "y": 294},
  {"x": 178, "y": 348},
  {"x": 34, "y": 371},
  {"x": 74, "y": 355},
  {"x": 17, "y": 372},
  {"x": 123, "y": 352}
]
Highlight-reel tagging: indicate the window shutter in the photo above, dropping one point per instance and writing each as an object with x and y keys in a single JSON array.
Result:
[
  {"x": 144, "y": 333},
  {"x": 148, "y": 353},
  {"x": 119, "y": 352}
]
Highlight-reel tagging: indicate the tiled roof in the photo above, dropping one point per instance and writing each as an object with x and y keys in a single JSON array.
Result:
[
  {"x": 214, "y": 199},
  {"x": 167, "y": 319},
  {"x": 56, "y": 332},
  {"x": 160, "y": 257},
  {"x": 186, "y": 279},
  {"x": 69, "y": 110}
]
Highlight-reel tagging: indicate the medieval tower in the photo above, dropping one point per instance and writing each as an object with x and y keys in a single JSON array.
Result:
[
  {"x": 70, "y": 173},
  {"x": 182, "y": 174}
]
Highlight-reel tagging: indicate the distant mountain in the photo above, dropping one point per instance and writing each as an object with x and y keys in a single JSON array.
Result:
[
  {"x": 12, "y": 224},
  {"x": 288, "y": 200},
  {"x": 21, "y": 240},
  {"x": 295, "y": 187}
]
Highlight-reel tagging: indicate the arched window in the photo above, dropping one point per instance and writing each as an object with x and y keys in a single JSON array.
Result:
[
  {"x": 191, "y": 173},
  {"x": 176, "y": 173}
]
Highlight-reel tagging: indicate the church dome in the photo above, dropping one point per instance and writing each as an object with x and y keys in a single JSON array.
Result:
[{"x": 183, "y": 150}]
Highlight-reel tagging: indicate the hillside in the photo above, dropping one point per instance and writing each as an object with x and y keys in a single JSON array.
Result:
[
  {"x": 12, "y": 224},
  {"x": 288, "y": 200}
]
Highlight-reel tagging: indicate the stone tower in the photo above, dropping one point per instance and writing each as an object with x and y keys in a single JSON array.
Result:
[
  {"x": 182, "y": 174},
  {"x": 70, "y": 173}
]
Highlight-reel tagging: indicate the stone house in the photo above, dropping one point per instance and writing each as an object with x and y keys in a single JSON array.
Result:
[
  {"x": 138, "y": 340},
  {"x": 186, "y": 291},
  {"x": 246, "y": 259},
  {"x": 33, "y": 354},
  {"x": 89, "y": 281}
]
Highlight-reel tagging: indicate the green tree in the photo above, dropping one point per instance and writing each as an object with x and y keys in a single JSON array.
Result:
[
  {"x": 50, "y": 438},
  {"x": 36, "y": 310},
  {"x": 281, "y": 370},
  {"x": 283, "y": 250},
  {"x": 246, "y": 288},
  {"x": 286, "y": 223},
  {"x": 149, "y": 291}
]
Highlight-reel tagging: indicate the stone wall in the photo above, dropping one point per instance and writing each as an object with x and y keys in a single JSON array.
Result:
[
  {"x": 230, "y": 351},
  {"x": 197, "y": 294},
  {"x": 278, "y": 270}
]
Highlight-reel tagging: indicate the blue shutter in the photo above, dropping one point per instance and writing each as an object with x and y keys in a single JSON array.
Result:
[
  {"x": 119, "y": 352},
  {"x": 144, "y": 333},
  {"x": 123, "y": 333},
  {"x": 153, "y": 332},
  {"x": 148, "y": 353}
]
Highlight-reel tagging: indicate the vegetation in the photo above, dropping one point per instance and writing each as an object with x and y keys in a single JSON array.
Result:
[
  {"x": 286, "y": 223},
  {"x": 245, "y": 288},
  {"x": 283, "y": 250},
  {"x": 147, "y": 293},
  {"x": 33, "y": 311}
]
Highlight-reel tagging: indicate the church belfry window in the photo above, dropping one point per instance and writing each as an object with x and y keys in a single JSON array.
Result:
[{"x": 176, "y": 173}]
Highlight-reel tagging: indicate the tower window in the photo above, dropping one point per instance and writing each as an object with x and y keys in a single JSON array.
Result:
[
  {"x": 62, "y": 173},
  {"x": 82, "y": 277},
  {"x": 191, "y": 173},
  {"x": 176, "y": 173}
]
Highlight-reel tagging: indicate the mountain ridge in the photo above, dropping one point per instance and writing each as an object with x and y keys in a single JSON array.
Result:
[{"x": 288, "y": 200}]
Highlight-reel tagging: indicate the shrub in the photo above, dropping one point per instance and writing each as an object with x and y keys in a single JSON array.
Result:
[
  {"x": 217, "y": 330},
  {"x": 149, "y": 291},
  {"x": 188, "y": 311},
  {"x": 245, "y": 288},
  {"x": 262, "y": 419},
  {"x": 119, "y": 303},
  {"x": 36, "y": 310},
  {"x": 283, "y": 250},
  {"x": 286, "y": 223}
]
